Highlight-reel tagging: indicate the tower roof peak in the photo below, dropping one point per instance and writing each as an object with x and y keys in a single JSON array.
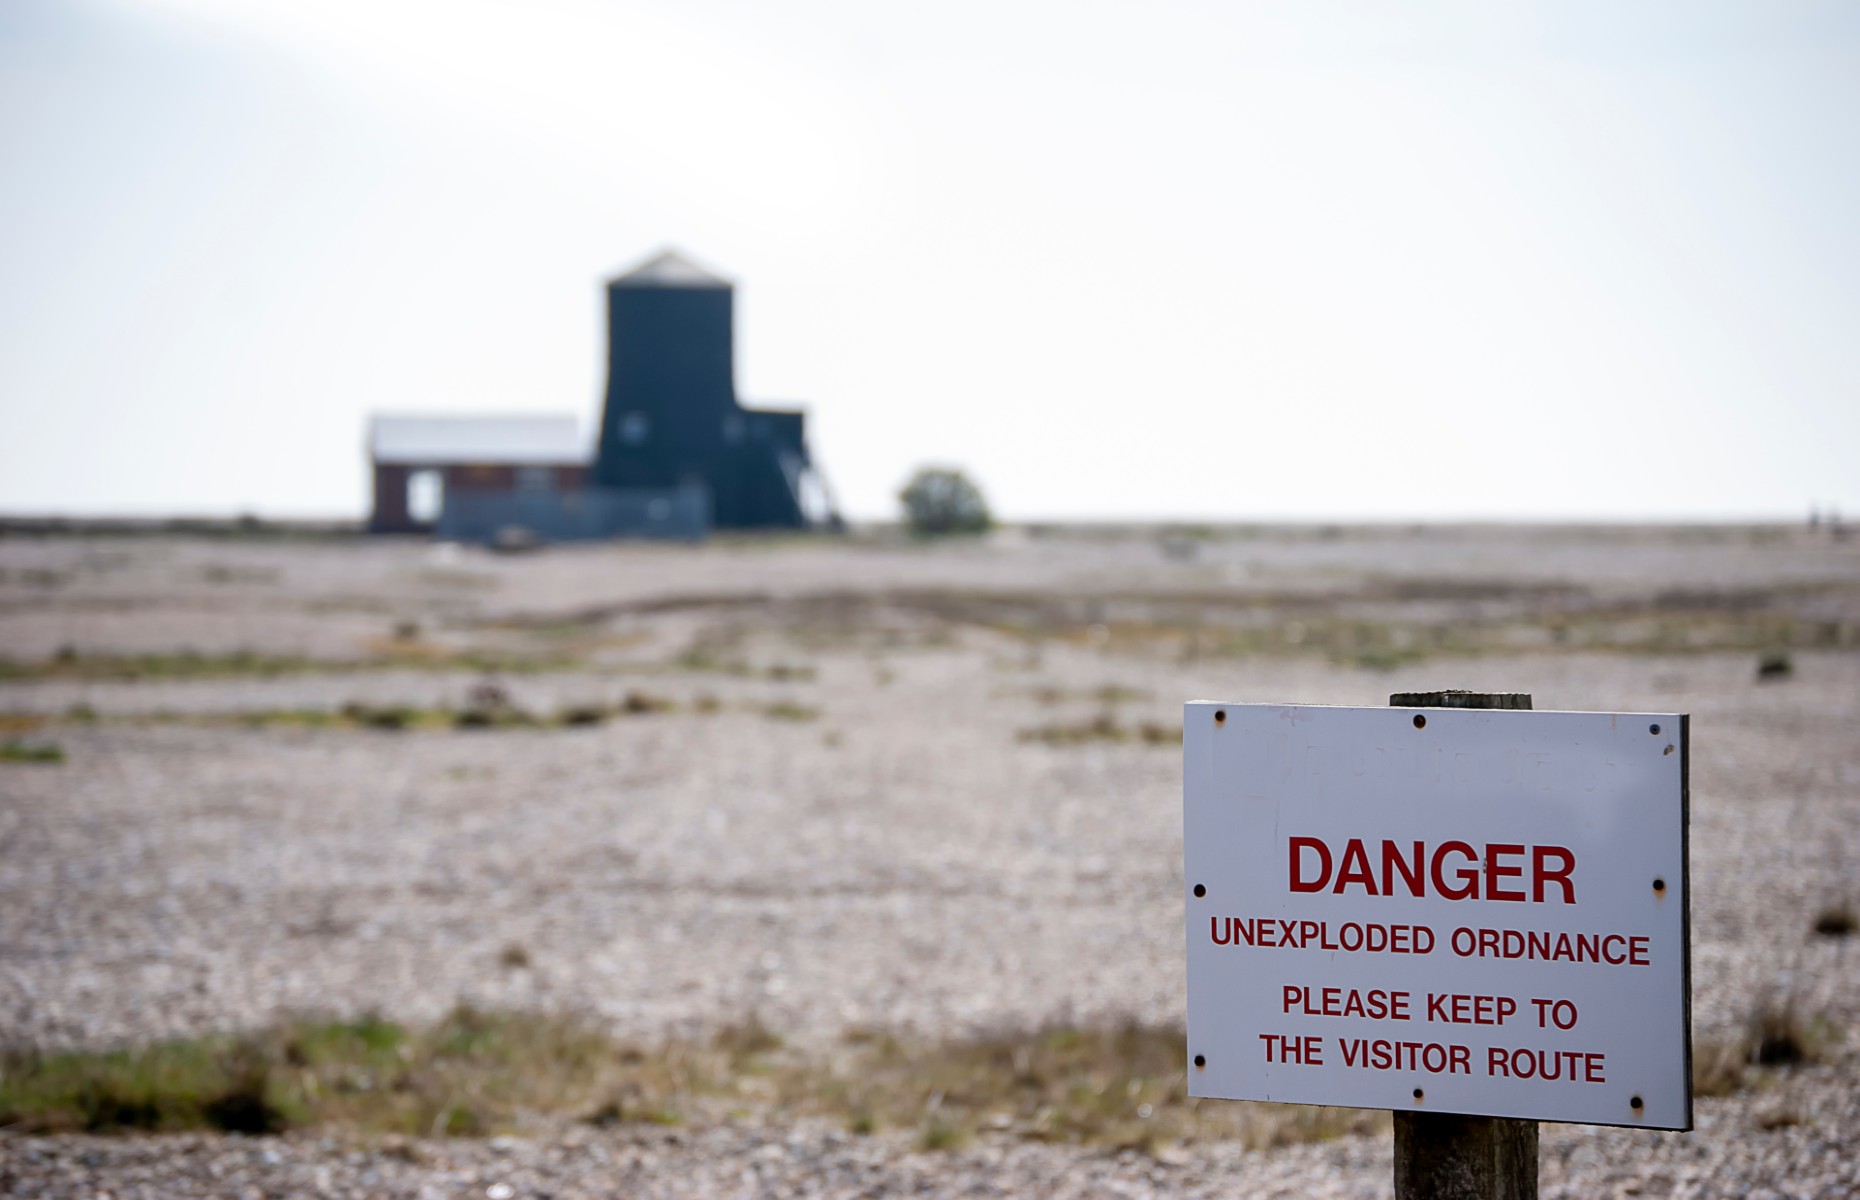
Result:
[{"x": 669, "y": 269}]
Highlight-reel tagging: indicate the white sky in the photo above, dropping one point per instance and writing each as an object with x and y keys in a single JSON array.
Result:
[{"x": 1142, "y": 260}]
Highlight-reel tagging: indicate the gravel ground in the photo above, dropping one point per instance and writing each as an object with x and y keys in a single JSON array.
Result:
[{"x": 899, "y": 860}]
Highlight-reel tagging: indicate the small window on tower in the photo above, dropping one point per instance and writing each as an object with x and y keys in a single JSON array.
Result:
[{"x": 634, "y": 427}]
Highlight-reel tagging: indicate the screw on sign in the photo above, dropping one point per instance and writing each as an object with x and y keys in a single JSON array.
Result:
[{"x": 1445, "y": 913}]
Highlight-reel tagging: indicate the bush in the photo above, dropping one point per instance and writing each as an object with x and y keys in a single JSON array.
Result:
[{"x": 940, "y": 500}]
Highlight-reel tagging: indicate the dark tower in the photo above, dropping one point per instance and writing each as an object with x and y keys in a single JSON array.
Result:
[{"x": 672, "y": 416}]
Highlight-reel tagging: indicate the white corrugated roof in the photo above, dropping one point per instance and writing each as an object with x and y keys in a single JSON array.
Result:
[
  {"x": 444, "y": 440},
  {"x": 670, "y": 269}
]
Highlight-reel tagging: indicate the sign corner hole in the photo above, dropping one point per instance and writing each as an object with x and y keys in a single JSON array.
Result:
[
  {"x": 1201, "y": 1060},
  {"x": 1200, "y": 890},
  {"x": 1220, "y": 716},
  {"x": 1654, "y": 730},
  {"x": 1659, "y": 885},
  {"x": 1419, "y": 1094},
  {"x": 1420, "y": 722},
  {"x": 1636, "y": 1103}
]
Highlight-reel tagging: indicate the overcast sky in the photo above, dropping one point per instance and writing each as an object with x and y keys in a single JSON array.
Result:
[{"x": 1147, "y": 260}]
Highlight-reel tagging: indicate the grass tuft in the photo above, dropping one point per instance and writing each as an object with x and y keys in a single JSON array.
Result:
[
  {"x": 1779, "y": 1037},
  {"x": 1776, "y": 1034},
  {"x": 638, "y": 703},
  {"x": 14, "y": 751},
  {"x": 1718, "y": 1068},
  {"x": 1777, "y": 1114},
  {"x": 389, "y": 718},
  {"x": 746, "y": 1040},
  {"x": 939, "y": 1134}
]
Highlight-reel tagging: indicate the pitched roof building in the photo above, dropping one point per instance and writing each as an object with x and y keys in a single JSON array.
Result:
[
  {"x": 420, "y": 461},
  {"x": 676, "y": 452}
]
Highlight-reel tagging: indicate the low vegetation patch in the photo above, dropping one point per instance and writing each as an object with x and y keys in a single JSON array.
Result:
[
  {"x": 477, "y": 1073},
  {"x": 486, "y": 708},
  {"x": 1108, "y": 694},
  {"x": 69, "y": 663},
  {"x": 1103, "y": 728},
  {"x": 1123, "y": 1088},
  {"x": 13, "y": 751},
  {"x": 489, "y": 707},
  {"x": 469, "y": 1074},
  {"x": 1377, "y": 624},
  {"x": 204, "y": 1083},
  {"x": 718, "y": 657}
]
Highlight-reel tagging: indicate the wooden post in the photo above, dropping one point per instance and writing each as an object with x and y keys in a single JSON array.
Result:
[{"x": 1445, "y": 1156}]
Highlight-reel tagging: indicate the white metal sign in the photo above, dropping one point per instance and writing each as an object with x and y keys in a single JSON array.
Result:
[{"x": 1445, "y": 910}]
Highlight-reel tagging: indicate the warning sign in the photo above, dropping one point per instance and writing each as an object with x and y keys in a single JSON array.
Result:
[{"x": 1449, "y": 910}]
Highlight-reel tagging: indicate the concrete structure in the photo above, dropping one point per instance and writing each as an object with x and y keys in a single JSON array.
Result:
[{"x": 676, "y": 454}]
